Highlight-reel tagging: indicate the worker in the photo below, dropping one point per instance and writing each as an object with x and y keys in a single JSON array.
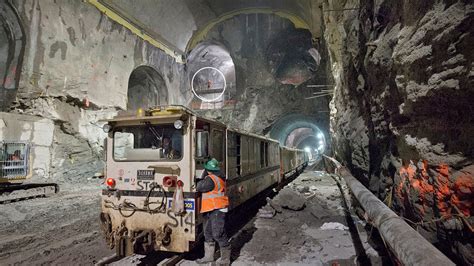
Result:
[
  {"x": 16, "y": 156},
  {"x": 214, "y": 206},
  {"x": 168, "y": 150}
]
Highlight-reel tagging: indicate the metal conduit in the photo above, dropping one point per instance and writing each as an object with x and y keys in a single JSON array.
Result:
[{"x": 408, "y": 246}]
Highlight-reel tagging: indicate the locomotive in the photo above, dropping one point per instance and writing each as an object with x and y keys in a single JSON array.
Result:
[{"x": 154, "y": 154}]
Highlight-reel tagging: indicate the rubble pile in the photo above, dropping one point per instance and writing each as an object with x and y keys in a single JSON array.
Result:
[{"x": 305, "y": 224}]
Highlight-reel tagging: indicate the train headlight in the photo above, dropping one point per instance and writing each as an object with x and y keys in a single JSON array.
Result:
[
  {"x": 107, "y": 128},
  {"x": 178, "y": 124}
]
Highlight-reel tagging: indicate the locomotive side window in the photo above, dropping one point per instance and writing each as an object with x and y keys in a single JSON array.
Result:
[
  {"x": 218, "y": 145},
  {"x": 202, "y": 140},
  {"x": 148, "y": 143}
]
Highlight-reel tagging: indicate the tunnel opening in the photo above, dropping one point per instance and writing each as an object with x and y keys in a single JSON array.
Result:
[
  {"x": 291, "y": 57},
  {"x": 212, "y": 76},
  {"x": 307, "y": 139},
  {"x": 146, "y": 88},
  {"x": 275, "y": 63},
  {"x": 12, "y": 46},
  {"x": 302, "y": 132}
]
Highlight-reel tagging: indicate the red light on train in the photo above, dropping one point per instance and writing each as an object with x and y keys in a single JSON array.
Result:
[
  {"x": 169, "y": 181},
  {"x": 110, "y": 182}
]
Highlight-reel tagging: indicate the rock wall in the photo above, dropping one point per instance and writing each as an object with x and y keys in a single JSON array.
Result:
[
  {"x": 76, "y": 72},
  {"x": 273, "y": 68},
  {"x": 402, "y": 114}
]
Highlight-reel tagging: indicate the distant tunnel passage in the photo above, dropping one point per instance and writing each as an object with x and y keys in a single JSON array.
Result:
[
  {"x": 146, "y": 88},
  {"x": 12, "y": 46},
  {"x": 210, "y": 87},
  {"x": 299, "y": 131}
]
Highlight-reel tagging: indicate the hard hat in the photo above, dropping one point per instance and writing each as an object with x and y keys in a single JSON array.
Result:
[{"x": 212, "y": 165}]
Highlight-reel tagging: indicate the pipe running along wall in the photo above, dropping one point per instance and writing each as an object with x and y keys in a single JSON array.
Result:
[{"x": 408, "y": 246}]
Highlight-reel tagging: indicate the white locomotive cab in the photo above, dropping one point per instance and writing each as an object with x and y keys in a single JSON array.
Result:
[{"x": 147, "y": 158}]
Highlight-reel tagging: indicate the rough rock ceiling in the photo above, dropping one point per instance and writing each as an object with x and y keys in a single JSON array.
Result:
[{"x": 177, "y": 26}]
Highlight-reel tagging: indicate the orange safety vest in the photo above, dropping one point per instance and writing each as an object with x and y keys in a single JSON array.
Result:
[{"x": 215, "y": 199}]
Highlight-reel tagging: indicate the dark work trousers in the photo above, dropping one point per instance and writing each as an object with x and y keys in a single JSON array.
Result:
[{"x": 214, "y": 228}]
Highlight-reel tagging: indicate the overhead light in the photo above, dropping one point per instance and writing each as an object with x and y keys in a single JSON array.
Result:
[
  {"x": 107, "y": 128},
  {"x": 178, "y": 124},
  {"x": 320, "y": 135},
  {"x": 307, "y": 149},
  {"x": 321, "y": 142}
]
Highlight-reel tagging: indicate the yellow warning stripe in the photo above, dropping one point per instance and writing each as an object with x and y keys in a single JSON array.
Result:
[
  {"x": 297, "y": 21},
  {"x": 136, "y": 30}
]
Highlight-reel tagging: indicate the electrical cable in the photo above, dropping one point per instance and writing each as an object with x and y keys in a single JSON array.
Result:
[{"x": 129, "y": 206}]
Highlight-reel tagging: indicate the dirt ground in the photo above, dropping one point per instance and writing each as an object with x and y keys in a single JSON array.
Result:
[
  {"x": 59, "y": 230},
  {"x": 307, "y": 225},
  {"x": 318, "y": 234}
]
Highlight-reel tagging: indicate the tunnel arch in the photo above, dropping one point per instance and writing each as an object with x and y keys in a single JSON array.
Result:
[
  {"x": 146, "y": 88},
  {"x": 12, "y": 47},
  {"x": 299, "y": 131},
  {"x": 200, "y": 35},
  {"x": 215, "y": 55}
]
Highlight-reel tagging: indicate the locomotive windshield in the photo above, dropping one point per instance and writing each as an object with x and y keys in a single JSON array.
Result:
[{"x": 148, "y": 143}]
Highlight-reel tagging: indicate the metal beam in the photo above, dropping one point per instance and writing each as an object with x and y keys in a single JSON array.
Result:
[
  {"x": 126, "y": 22},
  {"x": 210, "y": 91},
  {"x": 407, "y": 244}
]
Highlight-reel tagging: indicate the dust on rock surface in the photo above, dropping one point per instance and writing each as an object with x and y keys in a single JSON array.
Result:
[{"x": 62, "y": 229}]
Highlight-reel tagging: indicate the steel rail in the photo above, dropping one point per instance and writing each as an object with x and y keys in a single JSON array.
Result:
[{"x": 408, "y": 245}]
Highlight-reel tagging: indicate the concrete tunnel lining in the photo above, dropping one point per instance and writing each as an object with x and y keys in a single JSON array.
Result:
[
  {"x": 286, "y": 125},
  {"x": 413, "y": 124},
  {"x": 145, "y": 83}
]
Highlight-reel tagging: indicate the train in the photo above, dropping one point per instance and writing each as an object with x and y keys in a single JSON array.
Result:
[{"x": 154, "y": 154}]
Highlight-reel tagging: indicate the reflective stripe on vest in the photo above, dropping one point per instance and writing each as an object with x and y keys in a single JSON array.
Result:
[{"x": 215, "y": 199}]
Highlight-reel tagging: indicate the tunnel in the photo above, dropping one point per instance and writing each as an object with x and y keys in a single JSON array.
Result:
[
  {"x": 329, "y": 121},
  {"x": 146, "y": 88},
  {"x": 212, "y": 75},
  {"x": 300, "y": 131},
  {"x": 12, "y": 46}
]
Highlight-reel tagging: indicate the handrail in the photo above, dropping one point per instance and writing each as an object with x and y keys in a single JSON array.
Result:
[{"x": 408, "y": 245}]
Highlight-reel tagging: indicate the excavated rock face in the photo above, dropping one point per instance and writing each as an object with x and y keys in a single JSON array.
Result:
[
  {"x": 273, "y": 64},
  {"x": 402, "y": 115},
  {"x": 77, "y": 70}
]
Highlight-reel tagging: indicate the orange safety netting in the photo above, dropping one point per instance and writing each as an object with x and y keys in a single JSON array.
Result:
[
  {"x": 415, "y": 184},
  {"x": 463, "y": 191},
  {"x": 443, "y": 191}
]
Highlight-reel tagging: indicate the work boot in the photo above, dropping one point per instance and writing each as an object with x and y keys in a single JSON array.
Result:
[
  {"x": 225, "y": 256},
  {"x": 209, "y": 249}
]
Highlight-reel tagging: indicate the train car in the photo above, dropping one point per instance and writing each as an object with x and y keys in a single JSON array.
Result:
[
  {"x": 293, "y": 161},
  {"x": 152, "y": 154}
]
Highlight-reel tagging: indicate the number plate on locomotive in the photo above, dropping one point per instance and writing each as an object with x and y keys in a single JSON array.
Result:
[{"x": 145, "y": 174}]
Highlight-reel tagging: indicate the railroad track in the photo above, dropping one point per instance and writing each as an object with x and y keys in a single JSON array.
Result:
[
  {"x": 140, "y": 259},
  {"x": 245, "y": 215},
  {"x": 249, "y": 212}
]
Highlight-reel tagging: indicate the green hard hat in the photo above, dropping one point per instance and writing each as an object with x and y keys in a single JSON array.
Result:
[{"x": 212, "y": 165}]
